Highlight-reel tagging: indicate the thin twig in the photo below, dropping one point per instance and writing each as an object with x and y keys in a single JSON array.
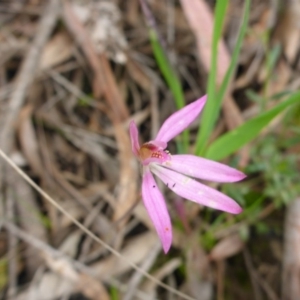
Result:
[
  {"x": 27, "y": 72},
  {"x": 88, "y": 232},
  {"x": 258, "y": 280},
  {"x": 250, "y": 268},
  {"x": 137, "y": 277},
  {"x": 12, "y": 246}
]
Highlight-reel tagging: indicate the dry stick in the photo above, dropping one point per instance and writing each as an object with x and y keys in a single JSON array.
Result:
[
  {"x": 49, "y": 251},
  {"x": 249, "y": 265},
  {"x": 25, "y": 77},
  {"x": 137, "y": 277},
  {"x": 72, "y": 88},
  {"x": 104, "y": 83},
  {"x": 291, "y": 260},
  {"x": 12, "y": 246},
  {"x": 87, "y": 231},
  {"x": 27, "y": 72},
  {"x": 220, "y": 279},
  {"x": 263, "y": 284}
]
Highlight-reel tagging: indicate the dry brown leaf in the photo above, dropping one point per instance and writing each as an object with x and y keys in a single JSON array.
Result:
[
  {"x": 28, "y": 140},
  {"x": 138, "y": 118},
  {"x": 140, "y": 212},
  {"x": 199, "y": 281},
  {"x": 135, "y": 251},
  {"x": 61, "y": 266},
  {"x": 128, "y": 175},
  {"x": 146, "y": 265},
  {"x": 106, "y": 78},
  {"x": 232, "y": 113},
  {"x": 101, "y": 20},
  {"x": 102, "y": 225},
  {"x": 227, "y": 247},
  {"x": 30, "y": 219},
  {"x": 106, "y": 34},
  {"x": 200, "y": 19},
  {"x": 70, "y": 245},
  {"x": 56, "y": 51},
  {"x": 137, "y": 73},
  {"x": 49, "y": 283},
  {"x": 89, "y": 286},
  {"x": 168, "y": 268},
  {"x": 288, "y": 29},
  {"x": 251, "y": 70},
  {"x": 253, "y": 41},
  {"x": 75, "y": 210},
  {"x": 280, "y": 78},
  {"x": 104, "y": 81},
  {"x": 133, "y": 12},
  {"x": 93, "y": 148},
  {"x": 93, "y": 289},
  {"x": 27, "y": 71}
]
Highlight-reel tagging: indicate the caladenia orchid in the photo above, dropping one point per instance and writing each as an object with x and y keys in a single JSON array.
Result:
[{"x": 177, "y": 172}]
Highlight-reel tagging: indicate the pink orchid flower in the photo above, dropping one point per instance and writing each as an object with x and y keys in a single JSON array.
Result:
[{"x": 178, "y": 172}]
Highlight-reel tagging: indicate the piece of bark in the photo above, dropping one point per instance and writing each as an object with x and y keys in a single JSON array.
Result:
[{"x": 291, "y": 253}]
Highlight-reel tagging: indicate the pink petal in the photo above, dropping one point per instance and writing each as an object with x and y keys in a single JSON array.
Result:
[
  {"x": 180, "y": 120},
  {"x": 134, "y": 137},
  {"x": 193, "y": 190},
  {"x": 202, "y": 168},
  {"x": 159, "y": 144},
  {"x": 157, "y": 210}
]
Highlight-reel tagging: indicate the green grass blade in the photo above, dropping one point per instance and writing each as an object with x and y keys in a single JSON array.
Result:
[
  {"x": 237, "y": 138},
  {"x": 114, "y": 293},
  {"x": 172, "y": 81},
  {"x": 167, "y": 70},
  {"x": 206, "y": 123},
  {"x": 234, "y": 57}
]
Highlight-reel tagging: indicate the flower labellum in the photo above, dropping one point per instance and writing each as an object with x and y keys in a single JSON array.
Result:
[{"x": 178, "y": 172}]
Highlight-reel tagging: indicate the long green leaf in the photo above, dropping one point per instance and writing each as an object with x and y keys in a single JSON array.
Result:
[
  {"x": 237, "y": 138},
  {"x": 206, "y": 124},
  {"x": 213, "y": 107},
  {"x": 234, "y": 57},
  {"x": 172, "y": 81},
  {"x": 167, "y": 70}
]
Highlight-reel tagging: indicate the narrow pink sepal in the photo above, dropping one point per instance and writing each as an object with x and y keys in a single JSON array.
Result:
[
  {"x": 134, "y": 137},
  {"x": 157, "y": 210},
  {"x": 193, "y": 190},
  {"x": 203, "y": 168},
  {"x": 180, "y": 120}
]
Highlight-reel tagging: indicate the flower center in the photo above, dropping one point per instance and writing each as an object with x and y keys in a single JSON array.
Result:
[{"x": 151, "y": 153}]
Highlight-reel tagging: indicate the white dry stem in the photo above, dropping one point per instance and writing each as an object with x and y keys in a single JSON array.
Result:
[
  {"x": 88, "y": 232},
  {"x": 291, "y": 254},
  {"x": 137, "y": 277}
]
